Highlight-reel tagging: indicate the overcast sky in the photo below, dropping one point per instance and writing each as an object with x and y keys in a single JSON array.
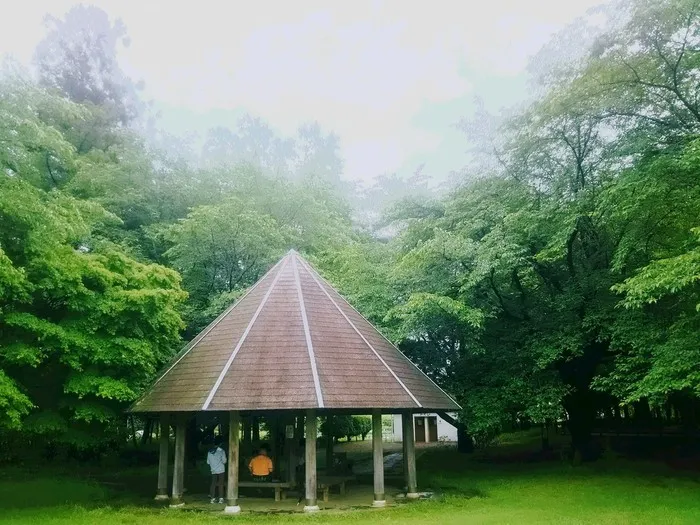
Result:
[{"x": 390, "y": 78}]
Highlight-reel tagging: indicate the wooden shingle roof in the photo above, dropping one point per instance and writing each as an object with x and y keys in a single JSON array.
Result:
[{"x": 291, "y": 342}]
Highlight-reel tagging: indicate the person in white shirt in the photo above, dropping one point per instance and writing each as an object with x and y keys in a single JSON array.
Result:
[{"x": 216, "y": 459}]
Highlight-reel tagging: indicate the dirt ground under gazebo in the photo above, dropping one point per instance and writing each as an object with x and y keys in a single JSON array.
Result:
[
  {"x": 358, "y": 492},
  {"x": 357, "y": 496}
]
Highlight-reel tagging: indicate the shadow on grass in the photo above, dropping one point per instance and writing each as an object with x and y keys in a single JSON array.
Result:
[
  {"x": 50, "y": 492},
  {"x": 449, "y": 474},
  {"x": 462, "y": 492}
]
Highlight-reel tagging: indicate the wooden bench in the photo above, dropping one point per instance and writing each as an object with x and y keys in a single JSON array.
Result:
[
  {"x": 277, "y": 485},
  {"x": 326, "y": 482}
]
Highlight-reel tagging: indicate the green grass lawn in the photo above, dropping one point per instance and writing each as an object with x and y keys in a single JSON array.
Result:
[{"x": 470, "y": 491}]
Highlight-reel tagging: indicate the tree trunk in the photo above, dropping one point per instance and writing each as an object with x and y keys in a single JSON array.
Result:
[
  {"x": 581, "y": 409},
  {"x": 616, "y": 412},
  {"x": 192, "y": 442},
  {"x": 582, "y": 404},
  {"x": 465, "y": 443},
  {"x": 642, "y": 412},
  {"x": 329, "y": 444},
  {"x": 133, "y": 432},
  {"x": 609, "y": 415},
  {"x": 545, "y": 436},
  {"x": 147, "y": 431}
]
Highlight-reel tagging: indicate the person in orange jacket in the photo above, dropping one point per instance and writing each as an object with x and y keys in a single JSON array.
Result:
[{"x": 261, "y": 465}]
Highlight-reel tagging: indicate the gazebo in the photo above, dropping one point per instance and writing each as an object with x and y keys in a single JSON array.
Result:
[{"x": 291, "y": 348}]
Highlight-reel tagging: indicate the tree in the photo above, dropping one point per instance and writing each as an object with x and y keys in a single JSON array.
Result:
[
  {"x": 655, "y": 336},
  {"x": 318, "y": 157},
  {"x": 29, "y": 148},
  {"x": 643, "y": 74},
  {"x": 78, "y": 57},
  {"x": 508, "y": 292},
  {"x": 349, "y": 427},
  {"x": 222, "y": 249},
  {"x": 83, "y": 326},
  {"x": 253, "y": 142}
]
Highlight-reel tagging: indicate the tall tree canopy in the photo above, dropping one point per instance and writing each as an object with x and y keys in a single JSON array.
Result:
[
  {"x": 565, "y": 282},
  {"x": 78, "y": 57},
  {"x": 83, "y": 326},
  {"x": 559, "y": 281}
]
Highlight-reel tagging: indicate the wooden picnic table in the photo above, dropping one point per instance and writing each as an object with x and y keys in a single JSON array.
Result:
[
  {"x": 279, "y": 487},
  {"x": 325, "y": 482}
]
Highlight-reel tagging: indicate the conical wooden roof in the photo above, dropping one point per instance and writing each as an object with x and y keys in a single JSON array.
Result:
[{"x": 292, "y": 342}]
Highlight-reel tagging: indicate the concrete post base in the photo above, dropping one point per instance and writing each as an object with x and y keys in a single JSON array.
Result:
[
  {"x": 412, "y": 495},
  {"x": 161, "y": 497},
  {"x": 311, "y": 508},
  {"x": 379, "y": 503},
  {"x": 232, "y": 509}
]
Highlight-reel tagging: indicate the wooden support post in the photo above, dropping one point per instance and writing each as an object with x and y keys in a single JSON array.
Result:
[
  {"x": 329, "y": 444},
  {"x": 404, "y": 448},
  {"x": 426, "y": 430},
  {"x": 273, "y": 428},
  {"x": 311, "y": 487},
  {"x": 377, "y": 447},
  {"x": 234, "y": 435},
  {"x": 410, "y": 455},
  {"x": 179, "y": 469},
  {"x": 162, "y": 492}
]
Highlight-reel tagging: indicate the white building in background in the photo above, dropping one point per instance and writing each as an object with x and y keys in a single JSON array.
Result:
[{"x": 428, "y": 428}]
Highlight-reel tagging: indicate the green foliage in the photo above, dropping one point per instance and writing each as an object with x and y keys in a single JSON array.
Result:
[
  {"x": 90, "y": 214},
  {"x": 14, "y": 405},
  {"x": 80, "y": 320},
  {"x": 641, "y": 75},
  {"x": 361, "y": 426},
  {"x": 29, "y": 148},
  {"x": 566, "y": 282},
  {"x": 562, "y": 282},
  {"x": 348, "y": 427},
  {"x": 361, "y": 270},
  {"x": 78, "y": 57},
  {"x": 662, "y": 277},
  {"x": 424, "y": 311},
  {"x": 224, "y": 247}
]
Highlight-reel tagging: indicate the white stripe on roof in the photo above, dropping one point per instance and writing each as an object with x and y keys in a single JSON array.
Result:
[
  {"x": 243, "y": 337},
  {"x": 323, "y": 289},
  {"x": 216, "y": 321},
  {"x": 307, "y": 333},
  {"x": 385, "y": 337}
]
